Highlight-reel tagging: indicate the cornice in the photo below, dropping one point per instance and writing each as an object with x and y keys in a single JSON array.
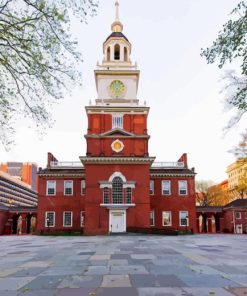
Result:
[
  {"x": 111, "y": 109},
  {"x": 109, "y": 160},
  {"x": 116, "y": 136},
  {"x": 60, "y": 175},
  {"x": 172, "y": 175}
]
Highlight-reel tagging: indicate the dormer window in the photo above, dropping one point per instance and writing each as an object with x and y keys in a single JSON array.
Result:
[
  {"x": 117, "y": 121},
  {"x": 117, "y": 52}
]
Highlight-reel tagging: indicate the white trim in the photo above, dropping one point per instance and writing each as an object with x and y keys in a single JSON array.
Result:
[
  {"x": 82, "y": 225},
  {"x": 240, "y": 216},
  {"x": 83, "y": 182},
  {"x": 162, "y": 182},
  {"x": 71, "y": 220},
  {"x": 179, "y": 182},
  {"x": 51, "y": 181},
  {"x": 124, "y": 217},
  {"x": 168, "y": 225},
  {"x": 153, "y": 216},
  {"x": 64, "y": 191},
  {"x": 54, "y": 216},
  {"x": 151, "y": 181},
  {"x": 187, "y": 218},
  {"x": 117, "y": 174}
]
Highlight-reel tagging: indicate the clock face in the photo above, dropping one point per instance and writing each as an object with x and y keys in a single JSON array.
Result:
[{"x": 117, "y": 88}]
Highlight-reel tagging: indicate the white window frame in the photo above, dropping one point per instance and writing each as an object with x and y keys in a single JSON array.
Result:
[
  {"x": 170, "y": 213},
  {"x": 181, "y": 187},
  {"x": 46, "y": 216},
  {"x": 238, "y": 215},
  {"x": 128, "y": 193},
  {"x": 187, "y": 218},
  {"x": 108, "y": 195},
  {"x": 47, "y": 187},
  {"x": 152, "y": 216},
  {"x": 82, "y": 214},
  {"x": 162, "y": 187},
  {"x": 151, "y": 187},
  {"x": 71, "y": 220},
  {"x": 117, "y": 120},
  {"x": 64, "y": 192},
  {"x": 83, "y": 187}
]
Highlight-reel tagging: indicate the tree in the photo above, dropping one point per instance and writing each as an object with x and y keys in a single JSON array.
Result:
[
  {"x": 240, "y": 151},
  {"x": 230, "y": 46},
  {"x": 38, "y": 58},
  {"x": 210, "y": 194},
  {"x": 202, "y": 196}
]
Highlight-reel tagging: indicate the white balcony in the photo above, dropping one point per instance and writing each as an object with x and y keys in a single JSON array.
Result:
[
  {"x": 170, "y": 165},
  {"x": 66, "y": 164}
]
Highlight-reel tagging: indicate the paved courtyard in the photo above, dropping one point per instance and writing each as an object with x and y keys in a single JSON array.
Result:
[{"x": 123, "y": 265}]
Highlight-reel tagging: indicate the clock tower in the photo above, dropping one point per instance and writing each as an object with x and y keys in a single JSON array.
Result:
[{"x": 117, "y": 163}]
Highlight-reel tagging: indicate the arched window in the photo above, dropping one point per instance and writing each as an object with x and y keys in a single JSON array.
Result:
[
  {"x": 117, "y": 52},
  {"x": 117, "y": 190},
  {"x": 108, "y": 53},
  {"x": 125, "y": 54}
]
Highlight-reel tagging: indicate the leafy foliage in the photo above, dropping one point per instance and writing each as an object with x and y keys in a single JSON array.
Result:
[
  {"x": 231, "y": 45},
  {"x": 38, "y": 57}
]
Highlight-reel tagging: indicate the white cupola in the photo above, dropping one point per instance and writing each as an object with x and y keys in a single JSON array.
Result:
[{"x": 117, "y": 48}]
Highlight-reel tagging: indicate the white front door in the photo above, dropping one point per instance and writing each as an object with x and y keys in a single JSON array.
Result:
[
  {"x": 239, "y": 229},
  {"x": 117, "y": 221}
]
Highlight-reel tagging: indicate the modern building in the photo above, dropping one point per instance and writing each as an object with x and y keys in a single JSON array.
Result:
[
  {"x": 117, "y": 186},
  {"x": 237, "y": 178},
  {"x": 18, "y": 206},
  {"x": 24, "y": 171}
]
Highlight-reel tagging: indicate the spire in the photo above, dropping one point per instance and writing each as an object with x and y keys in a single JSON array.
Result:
[
  {"x": 117, "y": 10},
  {"x": 117, "y": 26}
]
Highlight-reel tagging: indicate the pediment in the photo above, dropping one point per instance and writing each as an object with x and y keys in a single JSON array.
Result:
[{"x": 117, "y": 132}]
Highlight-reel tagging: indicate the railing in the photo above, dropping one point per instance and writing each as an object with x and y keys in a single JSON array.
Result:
[
  {"x": 177, "y": 164},
  {"x": 66, "y": 164}
]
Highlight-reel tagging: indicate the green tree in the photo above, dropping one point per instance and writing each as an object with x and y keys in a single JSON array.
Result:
[
  {"x": 38, "y": 58},
  {"x": 231, "y": 46}
]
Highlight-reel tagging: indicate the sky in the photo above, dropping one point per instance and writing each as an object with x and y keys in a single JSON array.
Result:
[{"x": 187, "y": 112}]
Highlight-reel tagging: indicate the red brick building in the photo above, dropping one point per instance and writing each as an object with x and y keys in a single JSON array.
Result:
[{"x": 117, "y": 185}]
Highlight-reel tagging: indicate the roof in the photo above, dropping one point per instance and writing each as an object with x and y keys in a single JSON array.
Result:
[
  {"x": 237, "y": 203},
  {"x": 209, "y": 209},
  {"x": 118, "y": 35}
]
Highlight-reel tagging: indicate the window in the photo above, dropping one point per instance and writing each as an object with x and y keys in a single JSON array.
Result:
[
  {"x": 108, "y": 53},
  {"x": 49, "y": 219},
  {"x": 183, "y": 218},
  {"x": 106, "y": 195},
  {"x": 117, "y": 190},
  {"x": 182, "y": 187},
  {"x": 128, "y": 195},
  {"x": 238, "y": 215},
  {"x": 83, "y": 187},
  {"x": 151, "y": 187},
  {"x": 152, "y": 221},
  {"x": 82, "y": 218},
  {"x": 67, "y": 219},
  {"x": 68, "y": 187},
  {"x": 166, "y": 187},
  {"x": 117, "y": 52},
  {"x": 125, "y": 54},
  {"x": 51, "y": 188},
  {"x": 117, "y": 121},
  {"x": 167, "y": 218}
]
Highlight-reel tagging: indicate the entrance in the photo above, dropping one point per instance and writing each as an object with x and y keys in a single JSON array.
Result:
[
  {"x": 117, "y": 221},
  {"x": 239, "y": 229}
]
